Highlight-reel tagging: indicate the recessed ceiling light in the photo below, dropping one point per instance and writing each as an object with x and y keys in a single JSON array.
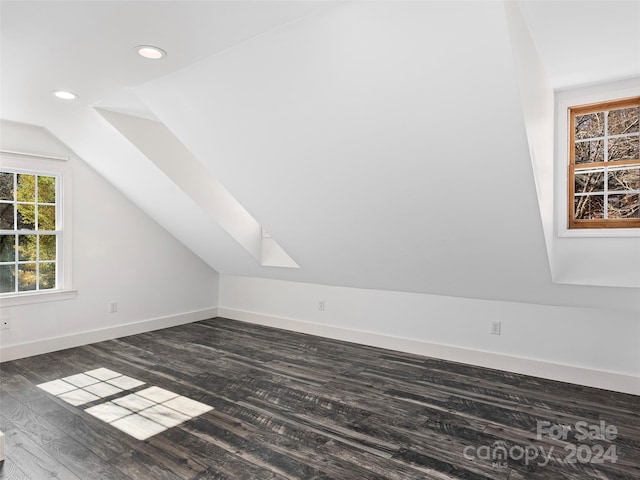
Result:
[
  {"x": 64, "y": 95},
  {"x": 150, "y": 52}
]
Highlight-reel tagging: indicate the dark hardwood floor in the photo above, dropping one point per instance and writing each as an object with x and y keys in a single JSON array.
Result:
[{"x": 294, "y": 406}]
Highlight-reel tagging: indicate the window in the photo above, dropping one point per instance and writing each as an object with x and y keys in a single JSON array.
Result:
[
  {"x": 35, "y": 229},
  {"x": 29, "y": 232},
  {"x": 604, "y": 165}
]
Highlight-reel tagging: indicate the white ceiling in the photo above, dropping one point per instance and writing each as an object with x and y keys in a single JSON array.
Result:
[
  {"x": 583, "y": 42},
  {"x": 381, "y": 143},
  {"x": 87, "y": 46}
]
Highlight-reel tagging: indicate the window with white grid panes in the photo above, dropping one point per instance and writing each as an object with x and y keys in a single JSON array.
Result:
[
  {"x": 604, "y": 165},
  {"x": 29, "y": 231}
]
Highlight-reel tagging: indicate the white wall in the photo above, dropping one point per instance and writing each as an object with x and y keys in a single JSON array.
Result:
[
  {"x": 537, "y": 98},
  {"x": 593, "y": 347},
  {"x": 341, "y": 135},
  {"x": 566, "y": 250},
  {"x": 614, "y": 253},
  {"x": 119, "y": 254}
]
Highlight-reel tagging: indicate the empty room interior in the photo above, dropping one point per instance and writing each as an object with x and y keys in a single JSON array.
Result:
[{"x": 370, "y": 240}]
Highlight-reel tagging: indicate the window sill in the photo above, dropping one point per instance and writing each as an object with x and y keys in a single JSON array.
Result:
[
  {"x": 601, "y": 232},
  {"x": 40, "y": 297}
]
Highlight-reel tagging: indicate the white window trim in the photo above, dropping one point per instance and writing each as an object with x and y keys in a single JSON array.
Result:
[
  {"x": 564, "y": 100},
  {"x": 40, "y": 165}
]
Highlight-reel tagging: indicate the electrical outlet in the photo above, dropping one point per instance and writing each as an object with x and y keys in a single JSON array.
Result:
[
  {"x": 5, "y": 324},
  {"x": 113, "y": 306},
  {"x": 495, "y": 327},
  {"x": 321, "y": 305}
]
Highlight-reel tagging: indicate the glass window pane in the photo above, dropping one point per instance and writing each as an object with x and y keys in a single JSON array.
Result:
[
  {"x": 26, "y": 188},
  {"x": 47, "y": 247},
  {"x": 589, "y": 207},
  {"x": 27, "y": 201},
  {"x": 624, "y": 206},
  {"x": 7, "y": 248},
  {"x": 27, "y": 245},
  {"x": 590, "y": 125},
  {"x": 623, "y": 120},
  {"x": 26, "y": 216},
  {"x": 47, "y": 276},
  {"x": 6, "y": 186},
  {"x": 589, "y": 182},
  {"x": 7, "y": 278},
  {"x": 6, "y": 216},
  {"x": 26, "y": 277},
  {"x": 627, "y": 179},
  {"x": 587, "y": 152},
  {"x": 46, "y": 217},
  {"x": 46, "y": 189},
  {"x": 623, "y": 148}
]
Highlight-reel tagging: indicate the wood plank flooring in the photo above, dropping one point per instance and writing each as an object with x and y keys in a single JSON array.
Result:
[{"x": 295, "y": 406}]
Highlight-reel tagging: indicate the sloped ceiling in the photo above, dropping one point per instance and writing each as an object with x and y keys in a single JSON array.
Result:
[
  {"x": 382, "y": 144},
  {"x": 584, "y": 42}
]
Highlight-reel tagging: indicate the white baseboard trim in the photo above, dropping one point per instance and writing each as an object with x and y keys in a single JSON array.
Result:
[
  {"x": 22, "y": 350},
  {"x": 553, "y": 371}
]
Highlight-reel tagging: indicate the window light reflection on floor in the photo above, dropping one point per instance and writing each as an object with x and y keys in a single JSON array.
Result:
[{"x": 141, "y": 414}]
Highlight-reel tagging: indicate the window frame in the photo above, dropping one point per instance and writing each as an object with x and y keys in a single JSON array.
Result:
[
  {"x": 594, "y": 224},
  {"x": 54, "y": 167}
]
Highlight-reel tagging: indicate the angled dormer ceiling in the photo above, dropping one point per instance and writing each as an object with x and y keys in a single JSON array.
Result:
[
  {"x": 345, "y": 137},
  {"x": 382, "y": 144},
  {"x": 585, "y": 42},
  {"x": 156, "y": 142}
]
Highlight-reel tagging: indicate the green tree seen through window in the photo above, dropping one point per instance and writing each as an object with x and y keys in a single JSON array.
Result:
[{"x": 29, "y": 238}]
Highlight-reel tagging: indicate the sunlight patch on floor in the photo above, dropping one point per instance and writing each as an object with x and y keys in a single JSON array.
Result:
[{"x": 141, "y": 414}]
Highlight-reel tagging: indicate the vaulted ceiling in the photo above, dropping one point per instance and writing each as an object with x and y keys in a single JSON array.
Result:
[{"x": 382, "y": 144}]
